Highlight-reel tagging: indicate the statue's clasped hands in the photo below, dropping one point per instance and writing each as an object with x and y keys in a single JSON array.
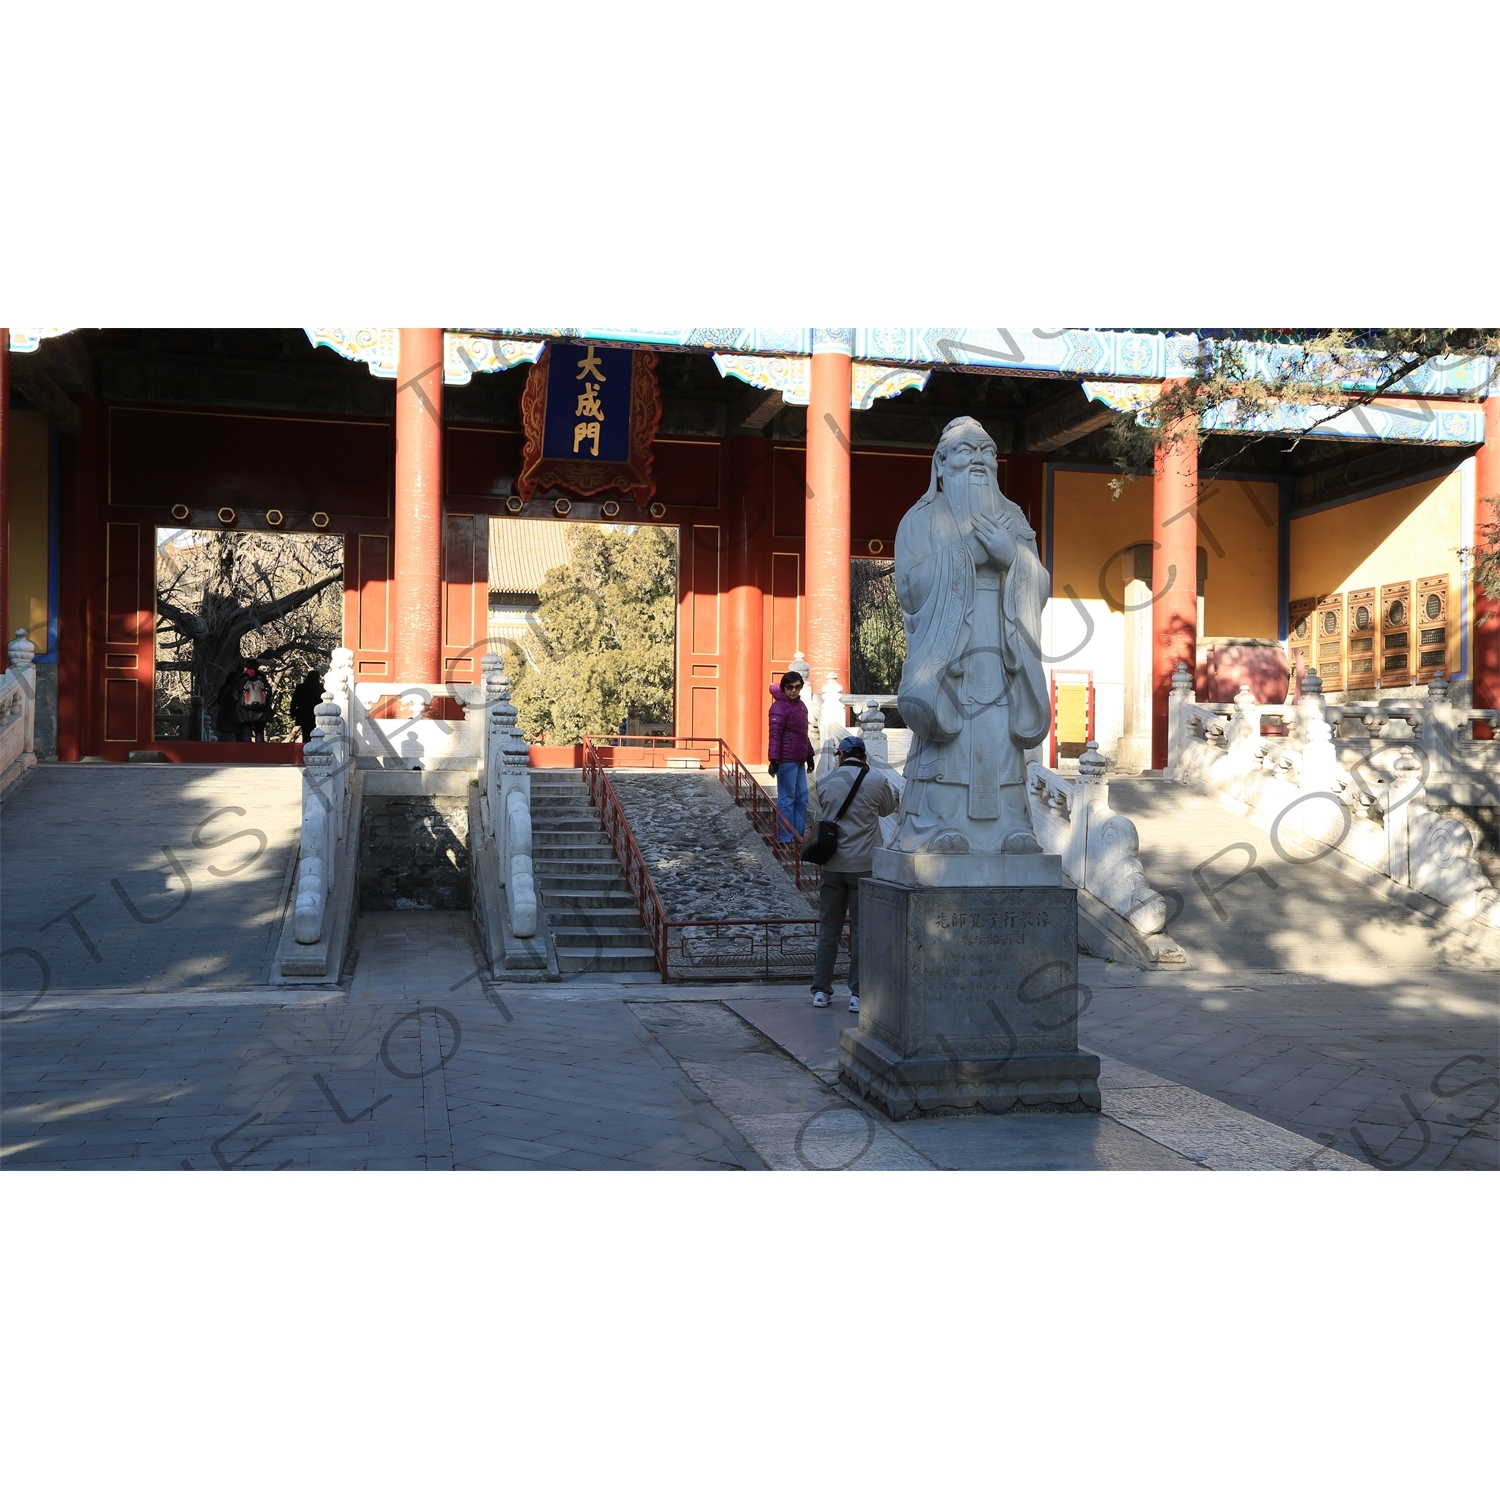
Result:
[{"x": 996, "y": 540}]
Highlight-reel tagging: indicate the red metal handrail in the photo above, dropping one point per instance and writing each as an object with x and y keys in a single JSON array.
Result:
[
  {"x": 598, "y": 758},
  {"x": 788, "y": 850},
  {"x": 622, "y": 841}
]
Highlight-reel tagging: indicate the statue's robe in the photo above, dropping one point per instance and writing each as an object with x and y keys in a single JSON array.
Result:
[{"x": 974, "y": 688}]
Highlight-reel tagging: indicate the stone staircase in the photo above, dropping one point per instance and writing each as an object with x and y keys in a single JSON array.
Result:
[{"x": 592, "y": 915}]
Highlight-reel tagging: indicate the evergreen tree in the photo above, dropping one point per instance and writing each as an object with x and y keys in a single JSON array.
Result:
[
  {"x": 607, "y": 638},
  {"x": 878, "y": 638}
]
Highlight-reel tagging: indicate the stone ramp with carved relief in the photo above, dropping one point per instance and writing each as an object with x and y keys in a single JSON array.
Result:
[
  {"x": 1237, "y": 901},
  {"x": 705, "y": 856}
]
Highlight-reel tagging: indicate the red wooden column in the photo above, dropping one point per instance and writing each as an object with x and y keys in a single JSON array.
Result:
[
  {"x": 418, "y": 593},
  {"x": 828, "y": 451},
  {"x": 1486, "y": 511},
  {"x": 1174, "y": 531},
  {"x": 744, "y": 513},
  {"x": 4, "y": 492}
]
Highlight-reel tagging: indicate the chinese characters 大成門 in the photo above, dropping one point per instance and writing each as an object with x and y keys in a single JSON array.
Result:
[{"x": 588, "y": 403}]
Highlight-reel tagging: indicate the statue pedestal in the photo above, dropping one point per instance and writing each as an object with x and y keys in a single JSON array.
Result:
[
  {"x": 950, "y": 870},
  {"x": 968, "y": 996}
]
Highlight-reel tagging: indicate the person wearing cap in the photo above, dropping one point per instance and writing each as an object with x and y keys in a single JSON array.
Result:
[{"x": 852, "y": 860}]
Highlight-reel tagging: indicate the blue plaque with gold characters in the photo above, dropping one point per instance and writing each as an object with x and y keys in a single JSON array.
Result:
[
  {"x": 588, "y": 403},
  {"x": 590, "y": 415}
]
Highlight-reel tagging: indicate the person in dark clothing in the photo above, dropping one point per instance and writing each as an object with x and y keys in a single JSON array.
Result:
[
  {"x": 859, "y": 838},
  {"x": 790, "y": 751},
  {"x": 306, "y": 697},
  {"x": 245, "y": 704}
]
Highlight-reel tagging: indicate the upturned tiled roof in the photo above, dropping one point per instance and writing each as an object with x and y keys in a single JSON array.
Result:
[{"x": 521, "y": 552}]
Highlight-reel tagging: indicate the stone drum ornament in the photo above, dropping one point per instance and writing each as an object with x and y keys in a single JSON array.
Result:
[{"x": 970, "y": 939}]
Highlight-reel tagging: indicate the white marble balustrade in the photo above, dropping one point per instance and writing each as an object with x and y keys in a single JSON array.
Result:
[
  {"x": 18, "y": 711},
  {"x": 1100, "y": 848},
  {"x": 417, "y": 737},
  {"x": 326, "y": 797},
  {"x": 1363, "y": 791},
  {"x": 507, "y": 797}
]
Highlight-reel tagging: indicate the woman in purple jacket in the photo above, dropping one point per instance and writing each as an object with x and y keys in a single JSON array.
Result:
[{"x": 790, "y": 752}]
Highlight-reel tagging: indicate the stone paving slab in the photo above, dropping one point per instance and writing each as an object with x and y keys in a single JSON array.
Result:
[
  {"x": 794, "y": 1120},
  {"x": 1192, "y": 1126},
  {"x": 1039, "y": 1143},
  {"x": 175, "y": 876},
  {"x": 1206, "y": 1131},
  {"x": 798, "y": 1027},
  {"x": 417, "y": 1066},
  {"x": 1395, "y": 1068}
]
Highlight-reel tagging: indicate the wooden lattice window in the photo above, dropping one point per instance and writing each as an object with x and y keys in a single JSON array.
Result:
[
  {"x": 1431, "y": 626},
  {"x": 1360, "y": 622},
  {"x": 1329, "y": 623},
  {"x": 1302, "y": 633},
  {"x": 1396, "y": 651}
]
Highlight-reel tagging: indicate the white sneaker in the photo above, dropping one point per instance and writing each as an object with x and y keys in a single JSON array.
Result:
[
  {"x": 854, "y": 1004},
  {"x": 820, "y": 999}
]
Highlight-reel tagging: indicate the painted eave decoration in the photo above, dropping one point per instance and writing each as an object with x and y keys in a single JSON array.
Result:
[
  {"x": 467, "y": 354},
  {"x": 28, "y": 340},
  {"x": 1082, "y": 353},
  {"x": 792, "y": 376},
  {"x": 380, "y": 348},
  {"x": 1114, "y": 364},
  {"x": 1388, "y": 420}
]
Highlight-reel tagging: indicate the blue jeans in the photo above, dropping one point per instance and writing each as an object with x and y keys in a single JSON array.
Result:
[{"x": 791, "y": 796}]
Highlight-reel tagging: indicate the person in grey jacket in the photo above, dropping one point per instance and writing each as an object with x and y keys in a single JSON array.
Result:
[{"x": 859, "y": 838}]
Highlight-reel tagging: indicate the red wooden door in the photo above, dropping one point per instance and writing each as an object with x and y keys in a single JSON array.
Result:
[
  {"x": 124, "y": 637},
  {"x": 700, "y": 631}
]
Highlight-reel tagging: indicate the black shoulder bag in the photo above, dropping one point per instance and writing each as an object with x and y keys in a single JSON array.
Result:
[{"x": 826, "y": 844}]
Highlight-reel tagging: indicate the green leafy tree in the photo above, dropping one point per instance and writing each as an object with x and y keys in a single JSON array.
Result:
[
  {"x": 607, "y": 637},
  {"x": 1484, "y": 564},
  {"x": 878, "y": 640}
]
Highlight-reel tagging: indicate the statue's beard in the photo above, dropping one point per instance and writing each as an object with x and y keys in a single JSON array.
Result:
[{"x": 972, "y": 490}]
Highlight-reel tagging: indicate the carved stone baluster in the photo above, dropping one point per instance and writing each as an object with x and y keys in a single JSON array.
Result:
[
  {"x": 1178, "y": 718},
  {"x": 1089, "y": 791},
  {"x": 21, "y": 651},
  {"x": 872, "y": 727}
]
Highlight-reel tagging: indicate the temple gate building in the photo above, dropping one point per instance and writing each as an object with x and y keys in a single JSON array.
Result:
[{"x": 780, "y": 456}]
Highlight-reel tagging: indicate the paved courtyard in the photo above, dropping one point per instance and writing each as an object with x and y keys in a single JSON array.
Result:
[
  {"x": 133, "y": 877},
  {"x": 170, "y": 1052},
  {"x": 1395, "y": 1068},
  {"x": 419, "y": 1064}
]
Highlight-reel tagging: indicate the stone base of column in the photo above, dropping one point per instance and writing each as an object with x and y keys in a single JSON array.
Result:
[
  {"x": 969, "y": 999},
  {"x": 1133, "y": 754}
]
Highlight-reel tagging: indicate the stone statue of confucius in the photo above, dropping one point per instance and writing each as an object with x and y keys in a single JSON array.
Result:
[{"x": 973, "y": 690}]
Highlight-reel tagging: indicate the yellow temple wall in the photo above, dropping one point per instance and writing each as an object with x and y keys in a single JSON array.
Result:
[
  {"x": 1091, "y": 529},
  {"x": 1239, "y": 594},
  {"x": 28, "y": 526},
  {"x": 1237, "y": 518},
  {"x": 1412, "y": 532}
]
